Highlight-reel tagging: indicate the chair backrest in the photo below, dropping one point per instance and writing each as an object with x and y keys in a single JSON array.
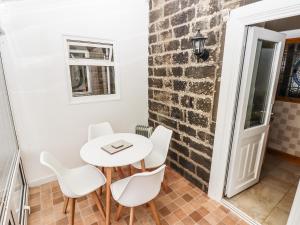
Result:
[
  {"x": 100, "y": 129},
  {"x": 142, "y": 187},
  {"x": 52, "y": 163},
  {"x": 161, "y": 138}
]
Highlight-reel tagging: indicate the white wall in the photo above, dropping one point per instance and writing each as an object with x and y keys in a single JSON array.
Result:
[{"x": 33, "y": 55}]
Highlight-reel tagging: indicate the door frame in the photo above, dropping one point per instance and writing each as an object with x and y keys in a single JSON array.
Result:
[{"x": 236, "y": 31}]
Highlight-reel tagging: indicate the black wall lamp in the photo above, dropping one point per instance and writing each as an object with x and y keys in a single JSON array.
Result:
[{"x": 198, "y": 47}]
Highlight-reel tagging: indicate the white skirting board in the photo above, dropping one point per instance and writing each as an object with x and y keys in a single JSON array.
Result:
[{"x": 42, "y": 180}]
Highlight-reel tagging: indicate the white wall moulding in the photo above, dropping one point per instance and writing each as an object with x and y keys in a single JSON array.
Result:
[{"x": 33, "y": 49}]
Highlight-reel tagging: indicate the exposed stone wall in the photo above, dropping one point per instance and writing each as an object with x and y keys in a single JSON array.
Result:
[{"x": 182, "y": 92}]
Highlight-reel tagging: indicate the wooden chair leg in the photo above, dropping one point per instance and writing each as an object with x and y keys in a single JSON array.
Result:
[
  {"x": 154, "y": 212},
  {"x": 99, "y": 204},
  {"x": 129, "y": 170},
  {"x": 100, "y": 191},
  {"x": 120, "y": 172},
  {"x": 132, "y": 170},
  {"x": 73, "y": 200},
  {"x": 101, "y": 188},
  {"x": 66, "y": 202},
  {"x": 131, "y": 216},
  {"x": 165, "y": 184},
  {"x": 118, "y": 214}
]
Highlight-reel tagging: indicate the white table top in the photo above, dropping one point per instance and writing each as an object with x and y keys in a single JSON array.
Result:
[{"x": 92, "y": 153}]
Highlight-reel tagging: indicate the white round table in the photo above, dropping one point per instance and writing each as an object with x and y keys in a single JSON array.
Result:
[{"x": 92, "y": 153}]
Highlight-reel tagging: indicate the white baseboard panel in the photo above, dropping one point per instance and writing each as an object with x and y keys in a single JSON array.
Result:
[{"x": 41, "y": 181}]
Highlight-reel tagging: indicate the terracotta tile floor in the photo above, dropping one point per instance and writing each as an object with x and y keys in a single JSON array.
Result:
[{"x": 184, "y": 204}]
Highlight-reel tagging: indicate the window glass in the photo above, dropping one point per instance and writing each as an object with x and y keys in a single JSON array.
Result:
[
  {"x": 260, "y": 84},
  {"x": 92, "y": 80},
  {"x": 289, "y": 78},
  {"x": 86, "y": 52},
  {"x": 91, "y": 68}
]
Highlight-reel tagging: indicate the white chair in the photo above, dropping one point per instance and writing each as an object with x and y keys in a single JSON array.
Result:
[
  {"x": 100, "y": 129},
  {"x": 75, "y": 183},
  {"x": 161, "y": 139},
  {"x": 136, "y": 190}
]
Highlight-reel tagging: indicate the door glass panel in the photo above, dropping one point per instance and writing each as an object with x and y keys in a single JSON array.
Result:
[
  {"x": 260, "y": 84},
  {"x": 8, "y": 142}
]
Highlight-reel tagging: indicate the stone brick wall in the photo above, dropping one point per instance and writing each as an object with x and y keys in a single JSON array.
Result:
[{"x": 183, "y": 93}]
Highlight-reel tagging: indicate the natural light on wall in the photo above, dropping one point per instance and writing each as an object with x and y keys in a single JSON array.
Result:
[{"x": 91, "y": 70}]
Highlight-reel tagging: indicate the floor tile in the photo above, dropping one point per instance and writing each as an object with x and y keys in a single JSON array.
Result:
[
  {"x": 270, "y": 201},
  {"x": 184, "y": 204},
  {"x": 286, "y": 203},
  {"x": 277, "y": 217}
]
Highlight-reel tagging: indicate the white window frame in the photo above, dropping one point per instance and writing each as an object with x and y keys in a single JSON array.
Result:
[
  {"x": 75, "y": 40},
  {"x": 86, "y": 53}
]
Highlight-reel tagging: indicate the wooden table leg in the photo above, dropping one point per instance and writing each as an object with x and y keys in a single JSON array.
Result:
[
  {"x": 108, "y": 206},
  {"x": 143, "y": 165}
]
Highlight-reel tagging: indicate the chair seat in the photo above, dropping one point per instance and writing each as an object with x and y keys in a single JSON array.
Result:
[
  {"x": 118, "y": 187},
  {"x": 152, "y": 161},
  {"x": 82, "y": 181},
  {"x": 138, "y": 189}
]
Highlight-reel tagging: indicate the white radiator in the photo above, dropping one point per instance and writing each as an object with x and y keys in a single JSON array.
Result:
[{"x": 144, "y": 130}]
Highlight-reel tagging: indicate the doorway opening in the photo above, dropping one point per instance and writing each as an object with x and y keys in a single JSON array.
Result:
[{"x": 264, "y": 165}]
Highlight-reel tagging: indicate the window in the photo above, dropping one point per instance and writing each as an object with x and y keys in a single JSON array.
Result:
[
  {"x": 289, "y": 78},
  {"x": 91, "y": 70}
]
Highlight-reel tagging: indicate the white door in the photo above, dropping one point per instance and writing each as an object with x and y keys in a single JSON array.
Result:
[{"x": 263, "y": 54}]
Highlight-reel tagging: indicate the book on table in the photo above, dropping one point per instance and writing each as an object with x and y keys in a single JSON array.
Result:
[{"x": 116, "y": 146}]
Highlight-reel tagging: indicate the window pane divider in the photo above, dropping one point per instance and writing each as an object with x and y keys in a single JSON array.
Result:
[
  {"x": 87, "y": 44},
  {"x": 90, "y": 62}
]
